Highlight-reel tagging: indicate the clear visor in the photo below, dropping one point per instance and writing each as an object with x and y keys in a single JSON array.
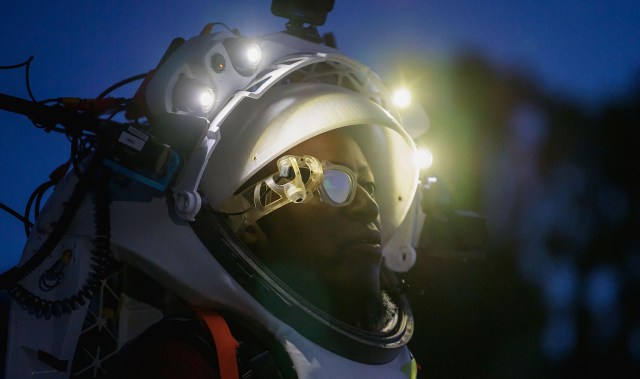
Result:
[{"x": 297, "y": 180}]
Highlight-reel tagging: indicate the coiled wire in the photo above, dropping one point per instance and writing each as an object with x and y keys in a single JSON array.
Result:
[{"x": 102, "y": 263}]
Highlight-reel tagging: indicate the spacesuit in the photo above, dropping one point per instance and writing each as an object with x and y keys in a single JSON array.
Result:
[{"x": 225, "y": 108}]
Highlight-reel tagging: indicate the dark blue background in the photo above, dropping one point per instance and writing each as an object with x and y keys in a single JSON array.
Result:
[
  {"x": 587, "y": 50},
  {"x": 532, "y": 124}
]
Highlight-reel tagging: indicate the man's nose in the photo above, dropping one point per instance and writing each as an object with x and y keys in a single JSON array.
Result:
[{"x": 364, "y": 206}]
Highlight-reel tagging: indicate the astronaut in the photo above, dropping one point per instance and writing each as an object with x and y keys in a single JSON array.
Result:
[
  {"x": 326, "y": 250},
  {"x": 259, "y": 249}
]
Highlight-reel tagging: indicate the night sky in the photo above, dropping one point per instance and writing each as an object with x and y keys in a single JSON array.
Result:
[{"x": 586, "y": 50}]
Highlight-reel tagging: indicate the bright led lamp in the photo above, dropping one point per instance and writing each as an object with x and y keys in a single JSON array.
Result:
[
  {"x": 245, "y": 55},
  {"x": 402, "y": 98},
  {"x": 253, "y": 54},
  {"x": 206, "y": 99},
  {"x": 423, "y": 159},
  {"x": 193, "y": 96}
]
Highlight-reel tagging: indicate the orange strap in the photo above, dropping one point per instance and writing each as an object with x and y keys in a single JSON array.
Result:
[{"x": 226, "y": 345}]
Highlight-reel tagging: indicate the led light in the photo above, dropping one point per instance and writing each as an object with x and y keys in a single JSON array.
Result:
[
  {"x": 245, "y": 55},
  {"x": 193, "y": 96},
  {"x": 254, "y": 55},
  {"x": 206, "y": 99},
  {"x": 423, "y": 159},
  {"x": 402, "y": 98}
]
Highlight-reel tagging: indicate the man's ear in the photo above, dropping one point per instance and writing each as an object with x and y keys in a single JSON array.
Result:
[{"x": 253, "y": 236}]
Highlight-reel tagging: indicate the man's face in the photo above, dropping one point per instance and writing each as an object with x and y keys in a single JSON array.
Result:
[{"x": 331, "y": 255}]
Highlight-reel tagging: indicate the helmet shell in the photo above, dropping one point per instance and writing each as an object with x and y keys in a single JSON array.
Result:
[{"x": 261, "y": 130}]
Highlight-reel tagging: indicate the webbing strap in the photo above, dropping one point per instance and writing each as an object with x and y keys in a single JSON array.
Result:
[{"x": 226, "y": 345}]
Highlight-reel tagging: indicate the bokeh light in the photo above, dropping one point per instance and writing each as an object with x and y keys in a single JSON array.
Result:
[
  {"x": 402, "y": 98},
  {"x": 424, "y": 158}
]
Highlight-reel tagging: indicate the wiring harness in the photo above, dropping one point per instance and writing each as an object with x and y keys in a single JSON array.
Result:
[
  {"x": 103, "y": 264},
  {"x": 89, "y": 126}
]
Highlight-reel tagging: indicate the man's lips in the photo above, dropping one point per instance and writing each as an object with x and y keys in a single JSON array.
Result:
[
  {"x": 369, "y": 242},
  {"x": 369, "y": 236}
]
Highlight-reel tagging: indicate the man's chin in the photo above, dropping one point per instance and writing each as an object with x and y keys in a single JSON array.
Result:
[
  {"x": 358, "y": 281},
  {"x": 363, "y": 253},
  {"x": 349, "y": 292},
  {"x": 371, "y": 313}
]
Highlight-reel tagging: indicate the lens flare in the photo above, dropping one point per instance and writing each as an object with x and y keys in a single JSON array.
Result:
[
  {"x": 402, "y": 98},
  {"x": 254, "y": 55},
  {"x": 423, "y": 159},
  {"x": 206, "y": 99}
]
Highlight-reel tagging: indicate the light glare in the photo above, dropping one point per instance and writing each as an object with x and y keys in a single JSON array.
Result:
[
  {"x": 254, "y": 55},
  {"x": 206, "y": 99},
  {"x": 402, "y": 98},
  {"x": 423, "y": 159}
]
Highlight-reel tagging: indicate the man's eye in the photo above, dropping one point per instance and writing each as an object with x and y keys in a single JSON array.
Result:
[{"x": 370, "y": 188}]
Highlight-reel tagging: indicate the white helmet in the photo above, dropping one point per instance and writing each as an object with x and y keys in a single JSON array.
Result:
[
  {"x": 295, "y": 91},
  {"x": 227, "y": 106}
]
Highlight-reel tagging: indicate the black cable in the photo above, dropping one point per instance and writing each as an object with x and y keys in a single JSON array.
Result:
[
  {"x": 37, "y": 207},
  {"x": 233, "y": 31},
  {"x": 81, "y": 147},
  {"x": 27, "y": 80},
  {"x": 120, "y": 109},
  {"x": 74, "y": 157},
  {"x": 209, "y": 27},
  {"x": 17, "y": 65},
  {"x": 15, "y": 214},
  {"x": 73, "y": 121},
  {"x": 27, "y": 64},
  {"x": 120, "y": 84},
  {"x": 27, "y": 212},
  {"x": 47, "y": 101},
  {"x": 51, "y": 128}
]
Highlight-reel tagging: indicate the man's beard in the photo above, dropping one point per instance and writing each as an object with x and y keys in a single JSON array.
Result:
[
  {"x": 360, "y": 306},
  {"x": 379, "y": 311},
  {"x": 372, "y": 313}
]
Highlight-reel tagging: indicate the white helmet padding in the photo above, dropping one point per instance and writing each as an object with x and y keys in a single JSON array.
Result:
[{"x": 260, "y": 130}]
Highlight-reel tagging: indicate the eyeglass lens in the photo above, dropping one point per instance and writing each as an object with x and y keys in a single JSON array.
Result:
[{"x": 337, "y": 185}]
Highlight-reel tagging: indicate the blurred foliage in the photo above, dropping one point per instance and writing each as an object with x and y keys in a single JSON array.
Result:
[{"x": 559, "y": 187}]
